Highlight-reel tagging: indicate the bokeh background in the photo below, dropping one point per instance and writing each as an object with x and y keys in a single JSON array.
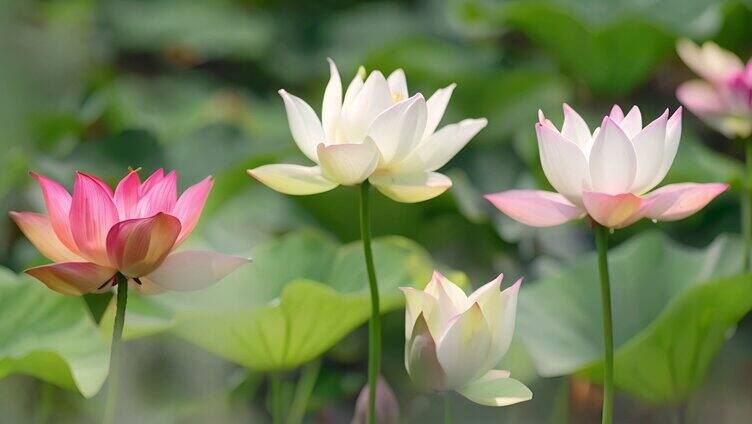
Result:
[{"x": 101, "y": 86}]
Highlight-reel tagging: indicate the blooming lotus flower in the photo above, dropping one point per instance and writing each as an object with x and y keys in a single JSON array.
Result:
[
  {"x": 607, "y": 174},
  {"x": 723, "y": 98},
  {"x": 134, "y": 230},
  {"x": 453, "y": 341},
  {"x": 375, "y": 132}
]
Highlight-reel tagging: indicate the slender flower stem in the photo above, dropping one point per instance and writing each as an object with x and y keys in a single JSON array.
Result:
[
  {"x": 601, "y": 243},
  {"x": 303, "y": 390},
  {"x": 374, "y": 325},
  {"x": 447, "y": 408},
  {"x": 747, "y": 206},
  {"x": 46, "y": 402},
  {"x": 275, "y": 392},
  {"x": 117, "y": 334}
]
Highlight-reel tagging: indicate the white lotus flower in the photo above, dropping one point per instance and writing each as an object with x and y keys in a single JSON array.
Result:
[
  {"x": 607, "y": 174},
  {"x": 375, "y": 132},
  {"x": 453, "y": 341}
]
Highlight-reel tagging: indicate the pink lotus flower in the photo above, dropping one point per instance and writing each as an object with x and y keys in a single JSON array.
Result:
[
  {"x": 607, "y": 174},
  {"x": 723, "y": 98},
  {"x": 96, "y": 233}
]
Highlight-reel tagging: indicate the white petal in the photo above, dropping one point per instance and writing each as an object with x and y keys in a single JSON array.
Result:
[
  {"x": 398, "y": 85},
  {"x": 449, "y": 295},
  {"x": 563, "y": 163},
  {"x": 671, "y": 146},
  {"x": 545, "y": 121},
  {"x": 305, "y": 126},
  {"x": 350, "y": 163},
  {"x": 194, "y": 269},
  {"x": 463, "y": 349},
  {"x": 613, "y": 162},
  {"x": 292, "y": 179},
  {"x": 649, "y": 145},
  {"x": 632, "y": 123},
  {"x": 355, "y": 85},
  {"x": 576, "y": 129},
  {"x": 421, "y": 362},
  {"x": 417, "y": 302},
  {"x": 357, "y": 115},
  {"x": 437, "y": 104},
  {"x": 500, "y": 310},
  {"x": 496, "y": 389},
  {"x": 411, "y": 188},
  {"x": 438, "y": 149},
  {"x": 332, "y": 103},
  {"x": 397, "y": 130}
]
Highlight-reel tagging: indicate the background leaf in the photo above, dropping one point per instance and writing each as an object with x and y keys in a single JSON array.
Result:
[
  {"x": 303, "y": 293},
  {"x": 662, "y": 301},
  {"x": 49, "y": 336}
]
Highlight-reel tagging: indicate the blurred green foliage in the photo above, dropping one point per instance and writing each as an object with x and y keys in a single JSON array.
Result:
[{"x": 191, "y": 85}]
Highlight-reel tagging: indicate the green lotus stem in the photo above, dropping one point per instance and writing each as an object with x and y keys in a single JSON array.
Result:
[
  {"x": 747, "y": 206},
  {"x": 374, "y": 325},
  {"x": 601, "y": 244},
  {"x": 447, "y": 408},
  {"x": 275, "y": 404},
  {"x": 46, "y": 402},
  {"x": 303, "y": 390},
  {"x": 117, "y": 334}
]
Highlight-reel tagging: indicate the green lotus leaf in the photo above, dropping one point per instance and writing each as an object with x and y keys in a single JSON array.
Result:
[
  {"x": 612, "y": 46},
  {"x": 673, "y": 307},
  {"x": 49, "y": 336},
  {"x": 302, "y": 294}
]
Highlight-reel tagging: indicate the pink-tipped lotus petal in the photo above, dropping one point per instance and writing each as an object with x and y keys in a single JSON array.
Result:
[
  {"x": 92, "y": 214},
  {"x": 145, "y": 286},
  {"x": 614, "y": 211},
  {"x": 138, "y": 246},
  {"x": 700, "y": 97},
  {"x": 632, "y": 122},
  {"x": 161, "y": 197},
  {"x": 58, "y": 203},
  {"x": 536, "y": 208},
  {"x": 189, "y": 206},
  {"x": 616, "y": 114},
  {"x": 126, "y": 195},
  {"x": 151, "y": 181},
  {"x": 73, "y": 278},
  {"x": 37, "y": 228},
  {"x": 106, "y": 187},
  {"x": 194, "y": 269},
  {"x": 678, "y": 201}
]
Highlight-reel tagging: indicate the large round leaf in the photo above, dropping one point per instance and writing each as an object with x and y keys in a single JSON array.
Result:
[
  {"x": 302, "y": 294},
  {"x": 49, "y": 336},
  {"x": 672, "y": 309}
]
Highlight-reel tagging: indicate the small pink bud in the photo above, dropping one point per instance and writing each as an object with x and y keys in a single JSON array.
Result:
[{"x": 387, "y": 407}]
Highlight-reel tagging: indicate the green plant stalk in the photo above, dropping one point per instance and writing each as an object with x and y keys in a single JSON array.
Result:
[
  {"x": 447, "y": 408},
  {"x": 117, "y": 334},
  {"x": 275, "y": 404},
  {"x": 601, "y": 244},
  {"x": 46, "y": 402},
  {"x": 303, "y": 390},
  {"x": 374, "y": 325},
  {"x": 747, "y": 206}
]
